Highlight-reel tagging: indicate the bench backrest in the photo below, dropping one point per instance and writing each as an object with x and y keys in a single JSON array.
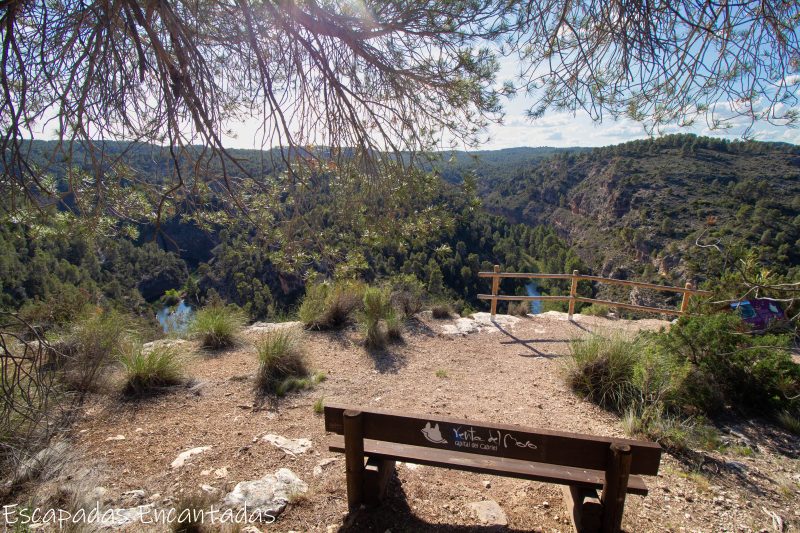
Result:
[{"x": 496, "y": 440}]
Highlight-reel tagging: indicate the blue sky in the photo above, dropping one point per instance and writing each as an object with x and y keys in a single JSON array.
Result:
[{"x": 563, "y": 129}]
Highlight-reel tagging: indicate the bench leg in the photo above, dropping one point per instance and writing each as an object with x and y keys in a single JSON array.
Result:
[
  {"x": 377, "y": 475},
  {"x": 584, "y": 508},
  {"x": 616, "y": 487},
  {"x": 354, "y": 458}
]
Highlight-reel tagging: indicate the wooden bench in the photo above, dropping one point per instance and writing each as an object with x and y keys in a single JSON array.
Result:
[{"x": 583, "y": 464}]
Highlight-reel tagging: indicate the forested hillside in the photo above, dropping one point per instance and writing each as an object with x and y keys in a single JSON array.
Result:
[
  {"x": 635, "y": 210},
  {"x": 638, "y": 209},
  {"x": 437, "y": 239}
]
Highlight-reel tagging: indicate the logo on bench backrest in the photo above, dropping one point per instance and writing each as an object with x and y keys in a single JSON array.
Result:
[{"x": 433, "y": 434}]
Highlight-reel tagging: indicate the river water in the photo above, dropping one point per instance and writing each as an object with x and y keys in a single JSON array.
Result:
[
  {"x": 533, "y": 290},
  {"x": 175, "y": 318}
]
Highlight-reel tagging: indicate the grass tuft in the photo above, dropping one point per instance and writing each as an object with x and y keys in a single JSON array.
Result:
[
  {"x": 330, "y": 306},
  {"x": 602, "y": 370},
  {"x": 519, "y": 308},
  {"x": 394, "y": 327},
  {"x": 282, "y": 366},
  {"x": 217, "y": 325},
  {"x": 92, "y": 343},
  {"x": 148, "y": 371},
  {"x": 376, "y": 308},
  {"x": 189, "y": 511},
  {"x": 789, "y": 422},
  {"x": 319, "y": 406}
]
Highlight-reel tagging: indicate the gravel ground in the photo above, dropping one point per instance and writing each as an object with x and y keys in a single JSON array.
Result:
[{"x": 512, "y": 374}]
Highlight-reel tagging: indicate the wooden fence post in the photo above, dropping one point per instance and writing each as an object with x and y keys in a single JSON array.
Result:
[
  {"x": 573, "y": 291},
  {"x": 615, "y": 487},
  {"x": 495, "y": 289},
  {"x": 686, "y": 296},
  {"x": 354, "y": 457}
]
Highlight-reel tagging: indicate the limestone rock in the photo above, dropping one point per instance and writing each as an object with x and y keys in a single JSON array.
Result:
[
  {"x": 162, "y": 343},
  {"x": 268, "y": 495},
  {"x": 479, "y": 322},
  {"x": 265, "y": 327},
  {"x": 488, "y": 512},
  {"x": 184, "y": 456},
  {"x": 290, "y": 446},
  {"x": 322, "y": 464}
]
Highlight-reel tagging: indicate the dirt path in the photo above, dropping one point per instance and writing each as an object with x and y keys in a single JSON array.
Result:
[{"x": 509, "y": 375}]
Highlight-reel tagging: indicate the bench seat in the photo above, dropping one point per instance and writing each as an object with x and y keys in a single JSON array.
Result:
[{"x": 561, "y": 475}]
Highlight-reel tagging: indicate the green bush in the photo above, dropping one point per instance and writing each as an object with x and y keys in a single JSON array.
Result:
[
  {"x": 171, "y": 297},
  {"x": 146, "y": 371},
  {"x": 666, "y": 382},
  {"x": 740, "y": 369},
  {"x": 217, "y": 325},
  {"x": 60, "y": 308},
  {"x": 595, "y": 310},
  {"x": 281, "y": 363},
  {"x": 330, "y": 305},
  {"x": 408, "y": 295}
]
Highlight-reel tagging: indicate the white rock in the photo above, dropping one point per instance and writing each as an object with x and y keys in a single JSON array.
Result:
[
  {"x": 184, "y": 456},
  {"x": 161, "y": 343},
  {"x": 265, "y": 327},
  {"x": 485, "y": 322},
  {"x": 208, "y": 489},
  {"x": 488, "y": 512},
  {"x": 290, "y": 446},
  {"x": 220, "y": 473},
  {"x": 115, "y": 437},
  {"x": 251, "y": 529},
  {"x": 479, "y": 322},
  {"x": 322, "y": 464},
  {"x": 462, "y": 326},
  {"x": 268, "y": 495}
]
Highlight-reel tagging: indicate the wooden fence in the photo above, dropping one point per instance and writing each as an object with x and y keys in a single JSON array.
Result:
[{"x": 688, "y": 291}]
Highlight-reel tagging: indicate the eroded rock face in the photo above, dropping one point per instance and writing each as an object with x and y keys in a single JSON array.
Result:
[
  {"x": 45, "y": 464},
  {"x": 268, "y": 495}
]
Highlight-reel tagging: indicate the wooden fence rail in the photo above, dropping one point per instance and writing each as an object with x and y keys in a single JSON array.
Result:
[{"x": 688, "y": 291}]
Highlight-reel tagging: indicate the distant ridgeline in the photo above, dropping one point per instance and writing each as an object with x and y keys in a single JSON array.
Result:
[
  {"x": 629, "y": 211},
  {"x": 636, "y": 210}
]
